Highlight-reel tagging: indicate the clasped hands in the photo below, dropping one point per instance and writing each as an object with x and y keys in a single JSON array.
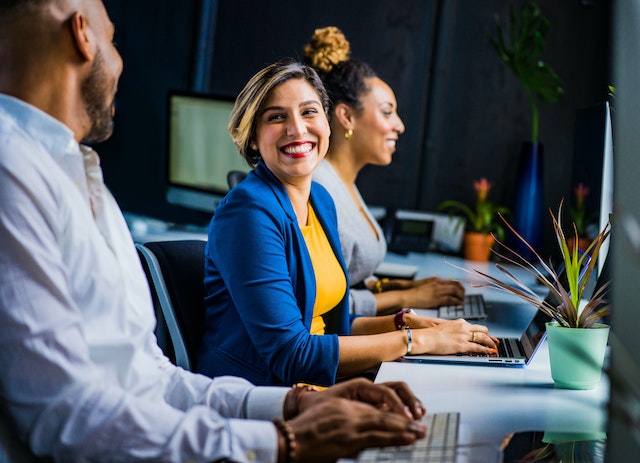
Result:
[{"x": 346, "y": 418}]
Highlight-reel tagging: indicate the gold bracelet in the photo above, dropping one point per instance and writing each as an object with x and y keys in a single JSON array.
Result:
[
  {"x": 378, "y": 286},
  {"x": 292, "y": 400},
  {"x": 291, "y": 446}
]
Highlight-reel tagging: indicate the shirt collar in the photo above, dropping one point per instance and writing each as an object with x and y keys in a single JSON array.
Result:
[{"x": 55, "y": 137}]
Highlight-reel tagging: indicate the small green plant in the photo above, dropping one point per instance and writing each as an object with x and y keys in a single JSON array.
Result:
[
  {"x": 483, "y": 216},
  {"x": 522, "y": 54},
  {"x": 578, "y": 268}
]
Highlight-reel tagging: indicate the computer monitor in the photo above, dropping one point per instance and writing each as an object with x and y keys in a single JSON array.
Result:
[
  {"x": 200, "y": 151},
  {"x": 593, "y": 167}
]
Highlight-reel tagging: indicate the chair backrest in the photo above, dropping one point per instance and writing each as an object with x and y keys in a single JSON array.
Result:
[
  {"x": 176, "y": 272},
  {"x": 234, "y": 177}
]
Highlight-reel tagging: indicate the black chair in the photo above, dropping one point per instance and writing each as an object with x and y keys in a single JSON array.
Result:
[
  {"x": 234, "y": 177},
  {"x": 175, "y": 270}
]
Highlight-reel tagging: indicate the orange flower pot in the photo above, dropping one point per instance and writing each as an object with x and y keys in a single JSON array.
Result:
[{"x": 477, "y": 246}]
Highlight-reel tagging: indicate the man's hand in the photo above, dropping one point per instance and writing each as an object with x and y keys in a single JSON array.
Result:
[
  {"x": 393, "y": 396},
  {"x": 336, "y": 427}
]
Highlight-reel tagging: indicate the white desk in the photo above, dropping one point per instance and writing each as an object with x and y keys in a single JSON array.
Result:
[{"x": 495, "y": 401}]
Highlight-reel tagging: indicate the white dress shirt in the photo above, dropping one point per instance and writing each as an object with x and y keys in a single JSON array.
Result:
[{"x": 81, "y": 376}]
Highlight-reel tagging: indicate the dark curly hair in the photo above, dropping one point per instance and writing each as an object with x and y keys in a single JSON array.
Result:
[{"x": 344, "y": 78}]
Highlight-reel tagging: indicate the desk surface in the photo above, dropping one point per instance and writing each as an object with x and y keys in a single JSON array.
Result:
[{"x": 495, "y": 401}]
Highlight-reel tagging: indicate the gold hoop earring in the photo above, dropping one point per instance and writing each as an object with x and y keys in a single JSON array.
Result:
[{"x": 348, "y": 134}]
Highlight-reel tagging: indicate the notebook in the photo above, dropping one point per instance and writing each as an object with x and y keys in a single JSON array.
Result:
[
  {"x": 473, "y": 308},
  {"x": 438, "y": 447}
]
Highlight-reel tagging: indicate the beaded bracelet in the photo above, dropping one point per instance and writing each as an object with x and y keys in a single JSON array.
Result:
[{"x": 291, "y": 446}]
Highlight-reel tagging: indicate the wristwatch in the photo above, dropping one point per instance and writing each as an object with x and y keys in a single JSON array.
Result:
[{"x": 399, "y": 318}]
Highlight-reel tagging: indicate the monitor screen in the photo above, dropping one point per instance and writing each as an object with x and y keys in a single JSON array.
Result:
[
  {"x": 593, "y": 167},
  {"x": 200, "y": 150}
]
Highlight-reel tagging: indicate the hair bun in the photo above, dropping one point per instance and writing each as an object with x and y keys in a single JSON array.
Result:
[{"x": 328, "y": 48}]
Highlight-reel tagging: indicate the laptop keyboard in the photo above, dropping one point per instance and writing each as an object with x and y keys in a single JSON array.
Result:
[
  {"x": 438, "y": 447},
  {"x": 510, "y": 348},
  {"x": 473, "y": 308}
]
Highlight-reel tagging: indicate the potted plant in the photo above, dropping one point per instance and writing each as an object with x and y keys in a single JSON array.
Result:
[
  {"x": 577, "y": 338},
  {"x": 482, "y": 220},
  {"x": 520, "y": 49}
]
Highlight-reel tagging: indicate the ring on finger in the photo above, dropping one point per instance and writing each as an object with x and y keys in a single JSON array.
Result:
[{"x": 473, "y": 336}]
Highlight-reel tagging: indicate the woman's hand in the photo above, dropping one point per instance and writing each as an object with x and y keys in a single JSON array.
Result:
[
  {"x": 433, "y": 292},
  {"x": 341, "y": 428},
  {"x": 452, "y": 337}
]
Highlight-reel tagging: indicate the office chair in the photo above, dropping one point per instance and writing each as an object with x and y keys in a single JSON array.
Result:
[
  {"x": 234, "y": 177},
  {"x": 175, "y": 270}
]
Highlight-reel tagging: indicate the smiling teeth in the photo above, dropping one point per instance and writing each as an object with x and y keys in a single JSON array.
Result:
[
  {"x": 298, "y": 149},
  {"x": 391, "y": 143}
]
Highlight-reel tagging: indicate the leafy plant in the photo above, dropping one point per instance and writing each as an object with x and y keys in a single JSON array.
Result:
[
  {"x": 522, "y": 54},
  {"x": 575, "y": 264},
  {"x": 483, "y": 216}
]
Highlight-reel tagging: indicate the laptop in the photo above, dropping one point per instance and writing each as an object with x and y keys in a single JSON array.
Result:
[
  {"x": 511, "y": 351},
  {"x": 472, "y": 308}
]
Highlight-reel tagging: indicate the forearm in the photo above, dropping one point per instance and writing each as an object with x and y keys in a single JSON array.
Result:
[
  {"x": 373, "y": 325},
  {"x": 391, "y": 301},
  {"x": 360, "y": 353}
]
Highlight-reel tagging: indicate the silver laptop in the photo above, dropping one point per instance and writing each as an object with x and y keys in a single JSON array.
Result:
[{"x": 511, "y": 351}]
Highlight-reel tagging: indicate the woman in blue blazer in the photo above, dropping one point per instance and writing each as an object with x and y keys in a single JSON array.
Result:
[{"x": 267, "y": 280}]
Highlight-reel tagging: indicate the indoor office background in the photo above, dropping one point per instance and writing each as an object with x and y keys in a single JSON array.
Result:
[{"x": 466, "y": 115}]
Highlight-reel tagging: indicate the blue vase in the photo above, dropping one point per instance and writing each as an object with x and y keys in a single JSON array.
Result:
[{"x": 528, "y": 209}]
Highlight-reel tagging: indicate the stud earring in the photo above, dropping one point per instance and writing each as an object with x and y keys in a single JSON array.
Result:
[{"x": 348, "y": 134}]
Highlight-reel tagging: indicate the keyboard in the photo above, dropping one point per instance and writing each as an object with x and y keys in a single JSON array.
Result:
[
  {"x": 438, "y": 447},
  {"x": 473, "y": 309}
]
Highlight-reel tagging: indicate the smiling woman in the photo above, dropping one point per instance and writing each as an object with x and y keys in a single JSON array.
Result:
[
  {"x": 292, "y": 134},
  {"x": 276, "y": 282}
]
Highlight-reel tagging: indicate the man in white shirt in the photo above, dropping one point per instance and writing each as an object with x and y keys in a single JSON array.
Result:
[{"x": 81, "y": 376}]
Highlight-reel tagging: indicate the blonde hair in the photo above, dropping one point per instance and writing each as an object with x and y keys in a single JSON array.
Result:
[
  {"x": 328, "y": 48},
  {"x": 250, "y": 101}
]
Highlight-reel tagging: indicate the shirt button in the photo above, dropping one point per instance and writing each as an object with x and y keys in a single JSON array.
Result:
[{"x": 251, "y": 455}]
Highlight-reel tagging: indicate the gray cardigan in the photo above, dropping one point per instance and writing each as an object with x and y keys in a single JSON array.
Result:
[{"x": 362, "y": 251}]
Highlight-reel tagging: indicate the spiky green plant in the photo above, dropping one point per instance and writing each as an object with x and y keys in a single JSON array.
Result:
[{"x": 567, "y": 313}]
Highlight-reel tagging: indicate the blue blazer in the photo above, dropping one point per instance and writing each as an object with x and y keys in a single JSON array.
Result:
[{"x": 260, "y": 289}]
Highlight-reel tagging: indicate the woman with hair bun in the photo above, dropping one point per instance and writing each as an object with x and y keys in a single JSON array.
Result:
[{"x": 365, "y": 126}]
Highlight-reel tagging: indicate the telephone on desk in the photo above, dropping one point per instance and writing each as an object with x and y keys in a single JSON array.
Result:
[
  {"x": 406, "y": 233},
  {"x": 415, "y": 231}
]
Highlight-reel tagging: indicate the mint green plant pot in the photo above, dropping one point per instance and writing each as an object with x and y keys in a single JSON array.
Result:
[{"x": 576, "y": 355}]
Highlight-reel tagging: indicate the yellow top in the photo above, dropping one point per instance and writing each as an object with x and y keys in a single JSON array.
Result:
[{"x": 331, "y": 282}]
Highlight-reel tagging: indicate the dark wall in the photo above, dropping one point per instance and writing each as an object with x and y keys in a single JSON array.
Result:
[{"x": 466, "y": 114}]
